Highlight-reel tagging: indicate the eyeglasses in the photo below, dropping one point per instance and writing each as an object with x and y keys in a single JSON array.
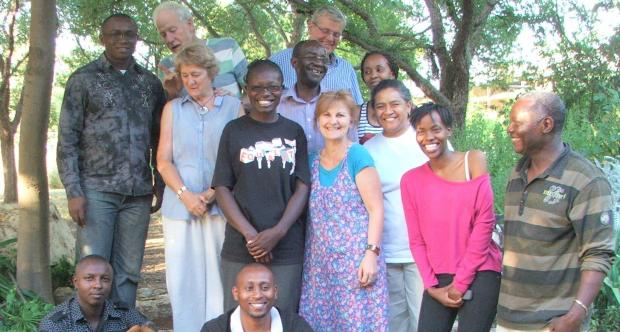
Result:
[
  {"x": 260, "y": 89},
  {"x": 327, "y": 31},
  {"x": 321, "y": 58},
  {"x": 118, "y": 35}
]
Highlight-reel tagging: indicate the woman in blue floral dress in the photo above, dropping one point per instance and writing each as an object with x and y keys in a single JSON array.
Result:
[{"x": 344, "y": 282}]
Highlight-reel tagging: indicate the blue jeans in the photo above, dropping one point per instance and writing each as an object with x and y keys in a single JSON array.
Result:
[{"x": 116, "y": 229}]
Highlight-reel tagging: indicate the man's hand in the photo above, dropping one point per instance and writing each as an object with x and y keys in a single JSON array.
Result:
[
  {"x": 262, "y": 244},
  {"x": 571, "y": 322},
  {"x": 172, "y": 83},
  {"x": 441, "y": 295},
  {"x": 158, "y": 193},
  {"x": 77, "y": 210}
]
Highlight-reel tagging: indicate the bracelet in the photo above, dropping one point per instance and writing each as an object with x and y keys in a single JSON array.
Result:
[
  {"x": 180, "y": 191},
  {"x": 374, "y": 248},
  {"x": 583, "y": 306}
]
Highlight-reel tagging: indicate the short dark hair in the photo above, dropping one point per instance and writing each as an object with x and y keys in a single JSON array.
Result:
[
  {"x": 426, "y": 109},
  {"x": 118, "y": 15},
  {"x": 91, "y": 258},
  {"x": 262, "y": 64},
  {"x": 390, "y": 60},
  {"x": 390, "y": 84},
  {"x": 552, "y": 106},
  {"x": 299, "y": 47}
]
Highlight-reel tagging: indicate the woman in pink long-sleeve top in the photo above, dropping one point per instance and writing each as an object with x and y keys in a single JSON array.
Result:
[{"x": 448, "y": 206}]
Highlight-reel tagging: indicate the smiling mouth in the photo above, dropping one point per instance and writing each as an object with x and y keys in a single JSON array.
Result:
[
  {"x": 265, "y": 103},
  {"x": 431, "y": 147}
]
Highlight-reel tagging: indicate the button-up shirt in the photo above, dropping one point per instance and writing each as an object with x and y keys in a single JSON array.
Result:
[
  {"x": 108, "y": 123},
  {"x": 339, "y": 76},
  {"x": 68, "y": 317}
]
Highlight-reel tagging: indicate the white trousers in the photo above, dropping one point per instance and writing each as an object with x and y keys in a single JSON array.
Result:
[
  {"x": 406, "y": 289},
  {"x": 193, "y": 274}
]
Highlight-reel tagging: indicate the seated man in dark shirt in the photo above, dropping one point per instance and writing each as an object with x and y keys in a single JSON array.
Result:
[
  {"x": 256, "y": 291},
  {"x": 89, "y": 309}
]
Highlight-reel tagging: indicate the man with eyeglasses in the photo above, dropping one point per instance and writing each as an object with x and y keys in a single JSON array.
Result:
[
  {"x": 108, "y": 129},
  {"x": 325, "y": 26}
]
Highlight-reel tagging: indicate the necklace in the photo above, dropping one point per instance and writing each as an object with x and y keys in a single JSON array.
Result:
[{"x": 203, "y": 106}]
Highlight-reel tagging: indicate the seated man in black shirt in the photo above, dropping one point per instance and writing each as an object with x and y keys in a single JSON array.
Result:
[
  {"x": 256, "y": 292},
  {"x": 89, "y": 309}
]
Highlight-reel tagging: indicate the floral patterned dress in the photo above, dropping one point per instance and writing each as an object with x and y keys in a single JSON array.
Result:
[{"x": 336, "y": 238}]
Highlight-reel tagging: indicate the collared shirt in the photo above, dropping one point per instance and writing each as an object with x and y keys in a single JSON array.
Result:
[
  {"x": 340, "y": 74},
  {"x": 235, "y": 321},
  {"x": 68, "y": 317},
  {"x": 108, "y": 123},
  {"x": 556, "y": 226},
  {"x": 295, "y": 108},
  {"x": 231, "y": 62}
]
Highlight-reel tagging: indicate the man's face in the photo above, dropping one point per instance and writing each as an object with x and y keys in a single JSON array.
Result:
[
  {"x": 311, "y": 65},
  {"x": 173, "y": 31},
  {"x": 93, "y": 282},
  {"x": 119, "y": 36},
  {"x": 326, "y": 31},
  {"x": 526, "y": 128},
  {"x": 255, "y": 291}
]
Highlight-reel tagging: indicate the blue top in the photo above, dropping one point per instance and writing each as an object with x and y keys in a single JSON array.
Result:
[
  {"x": 195, "y": 140},
  {"x": 358, "y": 158},
  {"x": 340, "y": 74}
]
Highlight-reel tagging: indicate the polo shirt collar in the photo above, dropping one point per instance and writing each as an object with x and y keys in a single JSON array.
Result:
[
  {"x": 556, "y": 169},
  {"x": 78, "y": 315}
]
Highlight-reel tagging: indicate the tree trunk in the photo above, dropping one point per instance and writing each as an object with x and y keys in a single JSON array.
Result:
[
  {"x": 33, "y": 270},
  {"x": 7, "y": 147}
]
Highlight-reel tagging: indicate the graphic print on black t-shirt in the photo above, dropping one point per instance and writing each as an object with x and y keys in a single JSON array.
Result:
[{"x": 270, "y": 151}]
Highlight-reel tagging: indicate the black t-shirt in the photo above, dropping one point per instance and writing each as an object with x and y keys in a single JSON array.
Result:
[{"x": 260, "y": 162}]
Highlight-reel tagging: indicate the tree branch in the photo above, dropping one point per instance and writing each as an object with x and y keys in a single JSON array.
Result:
[
  {"x": 277, "y": 24},
  {"x": 482, "y": 18},
  {"x": 202, "y": 19},
  {"x": 461, "y": 38},
  {"x": 373, "y": 31},
  {"x": 425, "y": 85},
  {"x": 437, "y": 30},
  {"x": 18, "y": 113},
  {"x": 255, "y": 29},
  {"x": 454, "y": 16}
]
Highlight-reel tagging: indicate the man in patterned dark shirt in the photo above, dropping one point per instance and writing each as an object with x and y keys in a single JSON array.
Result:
[
  {"x": 108, "y": 127},
  {"x": 89, "y": 309}
]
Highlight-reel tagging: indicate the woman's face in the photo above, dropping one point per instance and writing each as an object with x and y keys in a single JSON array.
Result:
[
  {"x": 392, "y": 111},
  {"x": 334, "y": 121},
  {"x": 376, "y": 69},
  {"x": 432, "y": 135},
  {"x": 196, "y": 80}
]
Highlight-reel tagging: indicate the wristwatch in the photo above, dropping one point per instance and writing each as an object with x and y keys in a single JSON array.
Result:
[{"x": 374, "y": 248}]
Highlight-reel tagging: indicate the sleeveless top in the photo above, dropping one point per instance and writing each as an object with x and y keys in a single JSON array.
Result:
[{"x": 195, "y": 140}]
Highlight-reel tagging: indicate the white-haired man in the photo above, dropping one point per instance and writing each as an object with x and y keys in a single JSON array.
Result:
[{"x": 176, "y": 28}]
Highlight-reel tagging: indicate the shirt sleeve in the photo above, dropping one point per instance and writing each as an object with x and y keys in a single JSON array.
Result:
[
  {"x": 358, "y": 159},
  {"x": 223, "y": 175},
  {"x": 593, "y": 220},
  {"x": 479, "y": 241},
  {"x": 302, "y": 165},
  {"x": 70, "y": 126},
  {"x": 355, "y": 88},
  {"x": 240, "y": 63},
  {"x": 416, "y": 240},
  {"x": 155, "y": 131}
]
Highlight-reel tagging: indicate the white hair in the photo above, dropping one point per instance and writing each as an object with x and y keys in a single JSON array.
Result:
[{"x": 182, "y": 12}]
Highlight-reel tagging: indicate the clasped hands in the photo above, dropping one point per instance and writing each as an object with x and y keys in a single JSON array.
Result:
[
  {"x": 196, "y": 203},
  {"x": 261, "y": 244},
  {"x": 448, "y": 295}
]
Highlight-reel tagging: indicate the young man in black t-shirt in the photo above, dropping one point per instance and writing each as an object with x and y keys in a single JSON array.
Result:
[{"x": 262, "y": 182}]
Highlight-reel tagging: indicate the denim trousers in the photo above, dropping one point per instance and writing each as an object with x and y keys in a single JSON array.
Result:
[{"x": 116, "y": 229}]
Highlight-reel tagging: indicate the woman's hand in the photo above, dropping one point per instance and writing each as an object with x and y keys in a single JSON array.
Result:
[
  {"x": 194, "y": 203},
  {"x": 454, "y": 293},
  {"x": 441, "y": 295},
  {"x": 368, "y": 270}
]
